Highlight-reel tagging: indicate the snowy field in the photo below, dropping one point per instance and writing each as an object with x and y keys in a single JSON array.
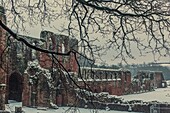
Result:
[
  {"x": 11, "y": 107},
  {"x": 161, "y": 95}
]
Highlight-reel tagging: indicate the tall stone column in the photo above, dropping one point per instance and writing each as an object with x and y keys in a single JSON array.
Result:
[{"x": 3, "y": 61}]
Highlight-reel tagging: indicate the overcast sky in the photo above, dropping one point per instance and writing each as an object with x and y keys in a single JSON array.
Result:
[
  {"x": 108, "y": 58},
  {"x": 58, "y": 24}
]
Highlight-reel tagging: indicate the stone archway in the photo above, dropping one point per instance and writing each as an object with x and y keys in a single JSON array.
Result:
[{"x": 15, "y": 87}]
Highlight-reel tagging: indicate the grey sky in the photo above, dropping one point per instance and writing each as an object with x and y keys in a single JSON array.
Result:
[
  {"x": 108, "y": 58},
  {"x": 58, "y": 24}
]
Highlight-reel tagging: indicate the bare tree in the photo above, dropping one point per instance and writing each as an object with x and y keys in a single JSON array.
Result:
[{"x": 120, "y": 23}]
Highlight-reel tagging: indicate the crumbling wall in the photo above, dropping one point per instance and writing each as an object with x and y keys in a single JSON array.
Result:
[
  {"x": 61, "y": 44},
  {"x": 39, "y": 86},
  {"x": 115, "y": 82}
]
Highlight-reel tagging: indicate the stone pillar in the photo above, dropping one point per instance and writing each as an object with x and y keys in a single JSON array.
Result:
[
  {"x": 3, "y": 61},
  {"x": 2, "y": 96}
]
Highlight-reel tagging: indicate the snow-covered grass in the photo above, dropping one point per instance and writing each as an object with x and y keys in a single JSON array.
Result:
[
  {"x": 160, "y": 95},
  {"x": 11, "y": 107}
]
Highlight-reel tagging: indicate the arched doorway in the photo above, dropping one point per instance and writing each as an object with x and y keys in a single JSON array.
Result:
[{"x": 15, "y": 87}]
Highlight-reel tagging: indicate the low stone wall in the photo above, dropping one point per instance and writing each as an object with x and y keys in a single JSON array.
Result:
[
  {"x": 2, "y": 111},
  {"x": 144, "y": 107}
]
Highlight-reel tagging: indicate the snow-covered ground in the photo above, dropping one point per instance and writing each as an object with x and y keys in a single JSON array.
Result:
[
  {"x": 161, "y": 95},
  {"x": 11, "y": 107}
]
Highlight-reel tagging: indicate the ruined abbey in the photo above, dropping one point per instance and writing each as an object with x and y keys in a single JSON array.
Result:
[
  {"x": 44, "y": 79},
  {"x": 35, "y": 77}
]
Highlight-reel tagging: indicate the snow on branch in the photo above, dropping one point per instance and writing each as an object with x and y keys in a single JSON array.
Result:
[{"x": 39, "y": 71}]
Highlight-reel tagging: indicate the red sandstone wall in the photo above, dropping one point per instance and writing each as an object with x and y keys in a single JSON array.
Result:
[
  {"x": 158, "y": 79},
  {"x": 26, "y": 91},
  {"x": 69, "y": 62},
  {"x": 45, "y": 61},
  {"x": 113, "y": 87}
]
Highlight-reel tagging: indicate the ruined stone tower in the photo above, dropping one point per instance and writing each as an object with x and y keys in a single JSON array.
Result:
[{"x": 3, "y": 60}]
